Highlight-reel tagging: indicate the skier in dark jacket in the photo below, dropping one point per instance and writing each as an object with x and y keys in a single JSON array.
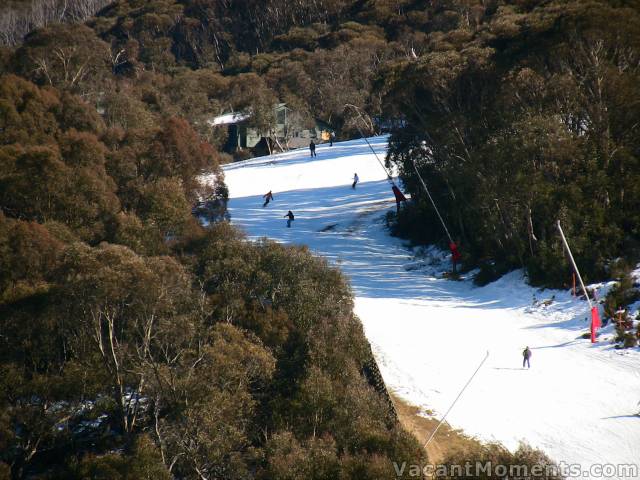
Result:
[
  {"x": 526, "y": 355},
  {"x": 267, "y": 198},
  {"x": 312, "y": 148},
  {"x": 332, "y": 137},
  {"x": 290, "y": 218}
]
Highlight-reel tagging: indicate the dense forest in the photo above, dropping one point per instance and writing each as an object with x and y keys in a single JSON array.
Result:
[
  {"x": 522, "y": 119},
  {"x": 19, "y": 17},
  {"x": 135, "y": 343}
]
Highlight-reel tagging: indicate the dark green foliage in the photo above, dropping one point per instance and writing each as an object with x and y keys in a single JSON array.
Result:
[
  {"x": 28, "y": 253},
  {"x": 626, "y": 339},
  {"x": 623, "y": 294},
  {"x": 142, "y": 461},
  {"x": 65, "y": 56},
  {"x": 205, "y": 34},
  {"x": 269, "y": 344},
  {"x": 60, "y": 164},
  {"x": 525, "y": 462},
  {"x": 136, "y": 344},
  {"x": 19, "y": 17},
  {"x": 520, "y": 120},
  {"x": 146, "y": 366}
]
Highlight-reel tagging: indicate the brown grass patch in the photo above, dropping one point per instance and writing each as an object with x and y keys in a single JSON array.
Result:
[{"x": 446, "y": 440}]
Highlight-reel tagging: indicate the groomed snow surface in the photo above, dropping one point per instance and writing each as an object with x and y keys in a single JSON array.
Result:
[{"x": 578, "y": 402}]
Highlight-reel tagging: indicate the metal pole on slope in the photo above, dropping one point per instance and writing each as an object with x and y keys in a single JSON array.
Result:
[
  {"x": 573, "y": 262},
  {"x": 454, "y": 402}
]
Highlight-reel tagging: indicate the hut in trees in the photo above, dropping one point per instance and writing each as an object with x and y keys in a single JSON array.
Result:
[{"x": 288, "y": 131}]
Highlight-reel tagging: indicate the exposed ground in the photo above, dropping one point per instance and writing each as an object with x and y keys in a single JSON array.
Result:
[{"x": 446, "y": 440}]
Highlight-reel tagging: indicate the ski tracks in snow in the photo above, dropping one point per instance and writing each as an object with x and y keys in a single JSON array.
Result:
[{"x": 577, "y": 402}]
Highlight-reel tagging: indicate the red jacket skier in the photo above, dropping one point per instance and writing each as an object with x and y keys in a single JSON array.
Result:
[{"x": 399, "y": 197}]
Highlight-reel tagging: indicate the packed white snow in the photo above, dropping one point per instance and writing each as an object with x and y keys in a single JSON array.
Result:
[{"x": 578, "y": 402}]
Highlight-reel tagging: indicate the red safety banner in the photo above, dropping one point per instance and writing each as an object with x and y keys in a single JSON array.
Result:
[
  {"x": 455, "y": 254},
  {"x": 595, "y": 323}
]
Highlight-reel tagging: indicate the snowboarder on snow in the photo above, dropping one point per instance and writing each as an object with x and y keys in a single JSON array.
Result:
[
  {"x": 356, "y": 179},
  {"x": 267, "y": 198},
  {"x": 312, "y": 148},
  {"x": 290, "y": 218},
  {"x": 526, "y": 355}
]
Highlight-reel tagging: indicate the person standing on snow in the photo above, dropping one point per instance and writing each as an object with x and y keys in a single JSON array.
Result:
[
  {"x": 290, "y": 218},
  {"x": 332, "y": 135},
  {"x": 312, "y": 148},
  {"x": 399, "y": 197},
  {"x": 356, "y": 179},
  {"x": 526, "y": 355},
  {"x": 455, "y": 257},
  {"x": 267, "y": 198}
]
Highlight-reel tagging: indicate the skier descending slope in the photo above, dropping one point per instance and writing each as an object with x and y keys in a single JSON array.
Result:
[
  {"x": 268, "y": 197},
  {"x": 526, "y": 355},
  {"x": 290, "y": 218},
  {"x": 498, "y": 316},
  {"x": 356, "y": 179}
]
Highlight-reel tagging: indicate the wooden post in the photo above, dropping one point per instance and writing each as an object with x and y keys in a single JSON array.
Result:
[{"x": 574, "y": 283}]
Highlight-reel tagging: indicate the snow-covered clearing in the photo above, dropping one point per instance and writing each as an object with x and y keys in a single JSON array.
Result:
[{"x": 578, "y": 402}]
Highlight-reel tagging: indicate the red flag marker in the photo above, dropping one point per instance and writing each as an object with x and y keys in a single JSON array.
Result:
[
  {"x": 455, "y": 254},
  {"x": 595, "y": 323}
]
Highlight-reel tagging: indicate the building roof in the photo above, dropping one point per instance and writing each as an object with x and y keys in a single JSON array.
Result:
[{"x": 228, "y": 118}]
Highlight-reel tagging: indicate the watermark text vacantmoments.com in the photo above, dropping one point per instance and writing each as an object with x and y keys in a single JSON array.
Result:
[{"x": 517, "y": 472}]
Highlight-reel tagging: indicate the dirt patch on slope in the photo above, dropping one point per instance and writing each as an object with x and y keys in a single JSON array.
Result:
[{"x": 446, "y": 440}]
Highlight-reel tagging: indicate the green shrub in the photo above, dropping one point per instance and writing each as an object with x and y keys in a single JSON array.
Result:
[{"x": 504, "y": 464}]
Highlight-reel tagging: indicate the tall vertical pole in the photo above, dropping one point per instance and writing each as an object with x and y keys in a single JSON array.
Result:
[{"x": 573, "y": 262}]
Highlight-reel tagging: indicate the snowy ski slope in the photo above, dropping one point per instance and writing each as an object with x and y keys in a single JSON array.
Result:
[{"x": 577, "y": 402}]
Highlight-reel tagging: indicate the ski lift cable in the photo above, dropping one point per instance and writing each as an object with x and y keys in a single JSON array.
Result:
[
  {"x": 455, "y": 255},
  {"x": 433, "y": 434},
  {"x": 389, "y": 177},
  {"x": 424, "y": 185}
]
